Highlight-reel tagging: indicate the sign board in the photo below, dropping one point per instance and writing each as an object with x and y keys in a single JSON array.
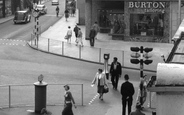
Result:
[
  {"x": 35, "y": 13},
  {"x": 40, "y": 78}
]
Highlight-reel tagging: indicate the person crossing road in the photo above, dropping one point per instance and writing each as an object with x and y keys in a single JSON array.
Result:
[{"x": 57, "y": 11}]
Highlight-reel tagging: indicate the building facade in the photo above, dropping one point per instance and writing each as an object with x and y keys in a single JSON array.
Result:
[
  {"x": 8, "y": 7},
  {"x": 133, "y": 20}
]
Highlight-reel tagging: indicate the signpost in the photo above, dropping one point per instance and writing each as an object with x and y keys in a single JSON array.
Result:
[{"x": 35, "y": 14}]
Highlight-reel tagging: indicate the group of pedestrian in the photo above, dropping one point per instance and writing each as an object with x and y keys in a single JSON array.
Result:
[
  {"x": 127, "y": 89},
  {"x": 78, "y": 35}
]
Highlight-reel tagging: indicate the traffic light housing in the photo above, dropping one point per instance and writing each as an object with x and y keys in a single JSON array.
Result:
[
  {"x": 134, "y": 49},
  {"x": 148, "y": 49},
  {"x": 136, "y": 55},
  {"x": 147, "y": 62},
  {"x": 134, "y": 61}
]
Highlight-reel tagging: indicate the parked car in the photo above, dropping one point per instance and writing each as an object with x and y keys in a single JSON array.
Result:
[
  {"x": 55, "y": 2},
  {"x": 22, "y": 16},
  {"x": 41, "y": 8}
]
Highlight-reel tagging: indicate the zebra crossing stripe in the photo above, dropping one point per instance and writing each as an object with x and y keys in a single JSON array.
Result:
[{"x": 93, "y": 99}]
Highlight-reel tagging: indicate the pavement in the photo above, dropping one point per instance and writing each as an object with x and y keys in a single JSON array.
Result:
[{"x": 112, "y": 101}]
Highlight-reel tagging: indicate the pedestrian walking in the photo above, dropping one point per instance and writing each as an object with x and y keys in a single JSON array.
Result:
[
  {"x": 79, "y": 38},
  {"x": 57, "y": 11},
  {"x": 142, "y": 92},
  {"x": 69, "y": 34},
  {"x": 97, "y": 29},
  {"x": 73, "y": 7},
  {"x": 66, "y": 14},
  {"x": 127, "y": 92},
  {"x": 76, "y": 29},
  {"x": 68, "y": 102},
  {"x": 138, "y": 110},
  {"x": 92, "y": 35},
  {"x": 115, "y": 72},
  {"x": 100, "y": 78}
]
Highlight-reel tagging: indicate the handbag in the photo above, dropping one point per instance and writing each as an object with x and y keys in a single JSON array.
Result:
[
  {"x": 66, "y": 37},
  {"x": 106, "y": 89}
]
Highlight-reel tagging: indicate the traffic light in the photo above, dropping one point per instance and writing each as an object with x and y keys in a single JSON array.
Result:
[
  {"x": 147, "y": 62},
  {"x": 148, "y": 49},
  {"x": 134, "y": 49},
  {"x": 134, "y": 61},
  {"x": 143, "y": 54},
  {"x": 136, "y": 55}
]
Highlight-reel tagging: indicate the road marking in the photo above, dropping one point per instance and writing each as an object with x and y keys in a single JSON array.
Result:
[
  {"x": 13, "y": 42},
  {"x": 93, "y": 99}
]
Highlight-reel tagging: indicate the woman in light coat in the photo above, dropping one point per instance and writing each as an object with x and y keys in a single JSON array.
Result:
[{"x": 101, "y": 81}]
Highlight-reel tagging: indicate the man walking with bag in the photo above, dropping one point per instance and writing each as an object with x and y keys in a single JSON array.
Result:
[{"x": 127, "y": 92}]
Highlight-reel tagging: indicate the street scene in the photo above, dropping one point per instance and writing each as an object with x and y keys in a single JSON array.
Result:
[{"x": 49, "y": 68}]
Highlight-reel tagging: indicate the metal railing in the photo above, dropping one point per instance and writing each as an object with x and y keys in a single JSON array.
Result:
[
  {"x": 24, "y": 95},
  {"x": 90, "y": 54}
]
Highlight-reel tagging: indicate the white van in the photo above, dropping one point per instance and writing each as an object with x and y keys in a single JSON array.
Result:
[{"x": 55, "y": 2}]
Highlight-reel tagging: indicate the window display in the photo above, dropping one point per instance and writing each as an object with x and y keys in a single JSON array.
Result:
[
  {"x": 1, "y": 8},
  {"x": 147, "y": 24},
  {"x": 8, "y": 8},
  {"x": 112, "y": 20}
]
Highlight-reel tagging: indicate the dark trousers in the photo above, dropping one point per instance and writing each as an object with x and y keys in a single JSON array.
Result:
[
  {"x": 115, "y": 80},
  {"x": 124, "y": 103},
  {"x": 67, "y": 109},
  {"x": 92, "y": 41}
]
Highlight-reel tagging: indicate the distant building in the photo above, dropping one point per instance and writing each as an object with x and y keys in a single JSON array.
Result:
[{"x": 8, "y": 7}]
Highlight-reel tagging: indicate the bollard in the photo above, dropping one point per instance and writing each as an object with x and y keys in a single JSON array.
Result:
[
  {"x": 40, "y": 94},
  {"x": 106, "y": 70},
  {"x": 153, "y": 113}
]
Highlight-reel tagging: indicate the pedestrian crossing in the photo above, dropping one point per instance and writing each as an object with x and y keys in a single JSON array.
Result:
[{"x": 12, "y": 42}]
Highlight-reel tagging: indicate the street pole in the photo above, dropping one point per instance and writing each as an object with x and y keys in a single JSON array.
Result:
[{"x": 179, "y": 11}]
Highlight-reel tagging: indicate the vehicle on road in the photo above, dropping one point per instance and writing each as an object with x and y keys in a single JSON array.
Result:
[
  {"x": 41, "y": 8},
  {"x": 55, "y": 2},
  {"x": 22, "y": 16}
]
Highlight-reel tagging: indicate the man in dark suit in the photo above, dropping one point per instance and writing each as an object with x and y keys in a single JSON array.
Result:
[
  {"x": 92, "y": 35},
  {"x": 127, "y": 92},
  {"x": 115, "y": 71}
]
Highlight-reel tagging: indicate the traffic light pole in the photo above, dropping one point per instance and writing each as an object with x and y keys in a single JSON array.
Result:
[
  {"x": 141, "y": 75},
  {"x": 140, "y": 61}
]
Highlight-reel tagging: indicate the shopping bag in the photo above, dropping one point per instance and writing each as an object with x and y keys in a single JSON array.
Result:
[
  {"x": 66, "y": 37},
  {"x": 106, "y": 89}
]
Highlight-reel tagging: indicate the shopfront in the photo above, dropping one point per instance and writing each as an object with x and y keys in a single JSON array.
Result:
[
  {"x": 132, "y": 20},
  {"x": 1, "y": 8},
  {"x": 111, "y": 17},
  {"x": 147, "y": 21}
]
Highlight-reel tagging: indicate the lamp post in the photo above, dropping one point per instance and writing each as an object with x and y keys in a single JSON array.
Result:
[{"x": 179, "y": 11}]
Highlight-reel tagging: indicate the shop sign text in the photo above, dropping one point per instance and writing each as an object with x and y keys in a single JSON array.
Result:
[{"x": 148, "y": 6}]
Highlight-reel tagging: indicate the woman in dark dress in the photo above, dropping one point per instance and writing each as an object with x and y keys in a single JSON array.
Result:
[{"x": 68, "y": 102}]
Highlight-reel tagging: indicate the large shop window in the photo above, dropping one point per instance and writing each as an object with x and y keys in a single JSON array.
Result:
[
  {"x": 112, "y": 20},
  {"x": 147, "y": 24},
  {"x": 1, "y": 8}
]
